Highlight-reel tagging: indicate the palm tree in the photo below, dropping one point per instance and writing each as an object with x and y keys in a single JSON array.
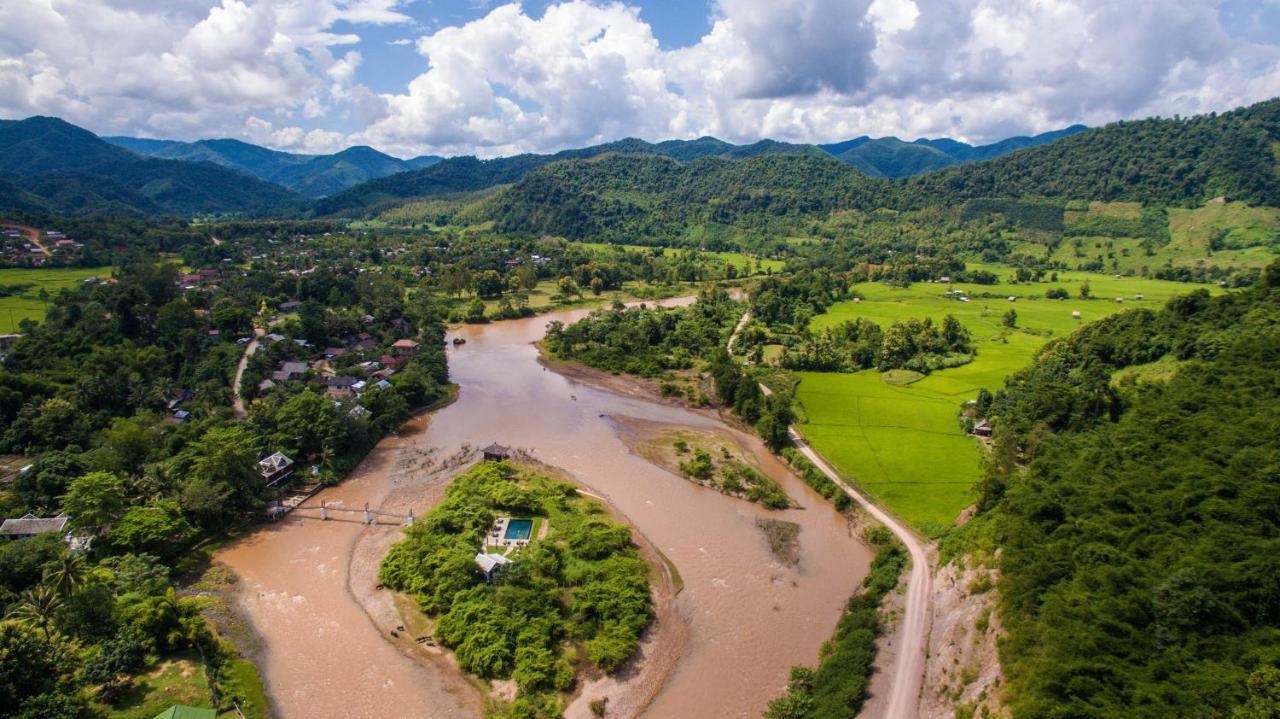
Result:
[
  {"x": 37, "y": 606},
  {"x": 66, "y": 574}
]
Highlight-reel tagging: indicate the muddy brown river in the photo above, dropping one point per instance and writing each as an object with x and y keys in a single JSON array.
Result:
[{"x": 749, "y": 617}]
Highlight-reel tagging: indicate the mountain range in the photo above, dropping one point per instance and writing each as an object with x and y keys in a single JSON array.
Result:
[
  {"x": 56, "y": 167},
  {"x": 51, "y": 166},
  {"x": 311, "y": 176}
]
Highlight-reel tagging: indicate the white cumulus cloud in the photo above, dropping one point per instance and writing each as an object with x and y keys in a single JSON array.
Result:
[{"x": 284, "y": 72}]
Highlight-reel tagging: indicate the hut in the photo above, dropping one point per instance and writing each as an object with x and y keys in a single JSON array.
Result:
[
  {"x": 490, "y": 564},
  {"x": 982, "y": 428},
  {"x": 496, "y": 453}
]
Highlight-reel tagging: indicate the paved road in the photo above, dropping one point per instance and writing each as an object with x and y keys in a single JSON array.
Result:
[
  {"x": 908, "y": 675},
  {"x": 236, "y": 400}
]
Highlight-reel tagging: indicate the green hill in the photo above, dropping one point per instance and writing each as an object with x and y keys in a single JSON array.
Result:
[
  {"x": 58, "y": 167},
  {"x": 312, "y": 176},
  {"x": 1179, "y": 162}
]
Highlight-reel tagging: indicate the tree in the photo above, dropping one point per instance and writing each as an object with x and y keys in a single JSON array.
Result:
[
  {"x": 775, "y": 421},
  {"x": 157, "y": 527},
  {"x": 29, "y": 666},
  {"x": 527, "y": 276},
  {"x": 597, "y": 286},
  {"x": 1084, "y": 291},
  {"x": 227, "y": 455},
  {"x": 475, "y": 311},
  {"x": 65, "y": 574},
  {"x": 305, "y": 424},
  {"x": 126, "y": 444},
  {"x": 39, "y": 607},
  {"x": 1010, "y": 319},
  {"x": 205, "y": 498},
  {"x": 489, "y": 284},
  {"x": 94, "y": 501},
  {"x": 568, "y": 287},
  {"x": 1264, "y": 696}
]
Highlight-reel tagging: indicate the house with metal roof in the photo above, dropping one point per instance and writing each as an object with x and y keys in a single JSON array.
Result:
[
  {"x": 275, "y": 468},
  {"x": 29, "y": 525}
]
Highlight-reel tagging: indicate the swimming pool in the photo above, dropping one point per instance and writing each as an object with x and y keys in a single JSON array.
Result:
[{"x": 519, "y": 529}]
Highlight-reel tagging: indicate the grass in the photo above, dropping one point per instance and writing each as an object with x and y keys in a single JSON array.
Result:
[
  {"x": 900, "y": 441},
  {"x": 178, "y": 679},
  {"x": 542, "y": 297},
  {"x": 241, "y": 680},
  {"x": 737, "y": 259},
  {"x": 28, "y": 304},
  {"x": 1249, "y": 228}
]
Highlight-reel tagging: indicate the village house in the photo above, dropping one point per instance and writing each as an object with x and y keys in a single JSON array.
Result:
[
  {"x": 291, "y": 370},
  {"x": 29, "y": 525},
  {"x": 290, "y": 306},
  {"x": 491, "y": 564},
  {"x": 405, "y": 348},
  {"x": 275, "y": 468},
  {"x": 982, "y": 428}
]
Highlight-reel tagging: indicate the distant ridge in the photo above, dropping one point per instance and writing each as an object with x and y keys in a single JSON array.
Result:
[
  {"x": 58, "y": 167},
  {"x": 312, "y": 176}
]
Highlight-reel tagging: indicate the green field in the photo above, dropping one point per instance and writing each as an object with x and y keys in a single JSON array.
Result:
[
  {"x": 903, "y": 444},
  {"x": 28, "y": 304},
  {"x": 1249, "y": 233},
  {"x": 737, "y": 259}
]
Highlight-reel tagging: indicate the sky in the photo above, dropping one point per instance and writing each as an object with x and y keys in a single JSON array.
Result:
[{"x": 491, "y": 78}]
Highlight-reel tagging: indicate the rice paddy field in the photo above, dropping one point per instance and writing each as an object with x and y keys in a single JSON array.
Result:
[
  {"x": 27, "y": 304},
  {"x": 903, "y": 443}
]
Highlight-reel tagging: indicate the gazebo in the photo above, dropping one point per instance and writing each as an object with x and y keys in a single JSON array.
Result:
[{"x": 496, "y": 453}]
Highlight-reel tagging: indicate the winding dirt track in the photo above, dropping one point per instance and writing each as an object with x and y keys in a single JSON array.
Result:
[
  {"x": 237, "y": 401},
  {"x": 908, "y": 675}
]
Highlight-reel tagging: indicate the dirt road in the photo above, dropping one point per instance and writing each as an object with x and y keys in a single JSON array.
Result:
[
  {"x": 33, "y": 236},
  {"x": 908, "y": 674},
  {"x": 236, "y": 400}
]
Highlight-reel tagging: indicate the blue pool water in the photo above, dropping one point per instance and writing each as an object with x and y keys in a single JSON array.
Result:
[{"x": 519, "y": 529}]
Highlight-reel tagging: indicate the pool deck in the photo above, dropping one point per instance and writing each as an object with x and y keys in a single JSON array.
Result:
[{"x": 501, "y": 537}]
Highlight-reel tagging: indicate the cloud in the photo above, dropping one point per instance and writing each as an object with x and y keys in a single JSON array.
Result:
[
  {"x": 185, "y": 69},
  {"x": 814, "y": 70},
  {"x": 588, "y": 71}
]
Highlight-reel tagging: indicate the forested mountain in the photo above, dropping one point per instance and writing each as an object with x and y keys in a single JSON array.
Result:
[
  {"x": 62, "y": 168},
  {"x": 467, "y": 174},
  {"x": 1173, "y": 161},
  {"x": 616, "y": 197},
  {"x": 1138, "y": 520},
  {"x": 310, "y": 175},
  {"x": 885, "y": 157},
  {"x": 891, "y": 157}
]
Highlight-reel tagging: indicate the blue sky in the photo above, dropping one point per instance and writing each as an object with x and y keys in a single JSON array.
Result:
[
  {"x": 388, "y": 67},
  {"x": 492, "y": 78}
]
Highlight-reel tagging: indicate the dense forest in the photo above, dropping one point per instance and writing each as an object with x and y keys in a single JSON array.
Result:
[
  {"x": 1138, "y": 516},
  {"x": 121, "y": 397}
]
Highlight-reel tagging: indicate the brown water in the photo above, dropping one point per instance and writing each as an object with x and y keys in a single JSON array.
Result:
[{"x": 750, "y": 618}]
